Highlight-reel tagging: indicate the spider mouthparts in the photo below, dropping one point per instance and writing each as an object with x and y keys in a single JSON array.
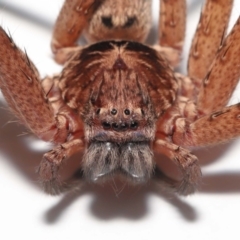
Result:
[{"x": 133, "y": 160}]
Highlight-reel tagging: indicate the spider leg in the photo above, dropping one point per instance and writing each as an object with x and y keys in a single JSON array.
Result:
[
  {"x": 38, "y": 107},
  {"x": 51, "y": 163},
  {"x": 186, "y": 162},
  {"x": 70, "y": 23},
  {"x": 217, "y": 127},
  {"x": 223, "y": 75},
  {"x": 54, "y": 159},
  {"x": 213, "y": 122},
  {"x": 63, "y": 55},
  {"x": 172, "y": 24},
  {"x": 21, "y": 87},
  {"x": 208, "y": 37},
  {"x": 208, "y": 122},
  {"x": 167, "y": 127}
]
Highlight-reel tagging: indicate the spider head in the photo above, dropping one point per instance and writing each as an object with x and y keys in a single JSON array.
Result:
[{"x": 120, "y": 90}]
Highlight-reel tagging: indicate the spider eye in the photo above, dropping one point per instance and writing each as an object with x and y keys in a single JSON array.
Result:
[
  {"x": 106, "y": 125},
  {"x": 120, "y": 126},
  {"x": 114, "y": 111},
  {"x": 127, "y": 111},
  {"x": 130, "y": 22},
  {"x": 107, "y": 21},
  {"x": 134, "y": 125}
]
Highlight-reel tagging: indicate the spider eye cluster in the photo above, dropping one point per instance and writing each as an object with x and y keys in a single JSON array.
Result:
[
  {"x": 120, "y": 126},
  {"x": 120, "y": 121}
]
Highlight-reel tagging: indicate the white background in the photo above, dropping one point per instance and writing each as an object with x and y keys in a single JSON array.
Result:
[{"x": 99, "y": 212}]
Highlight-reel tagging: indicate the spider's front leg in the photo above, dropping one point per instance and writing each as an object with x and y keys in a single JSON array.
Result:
[
  {"x": 187, "y": 164},
  {"x": 51, "y": 163},
  {"x": 53, "y": 160},
  {"x": 168, "y": 126},
  {"x": 171, "y": 37},
  {"x": 21, "y": 86},
  {"x": 212, "y": 129}
]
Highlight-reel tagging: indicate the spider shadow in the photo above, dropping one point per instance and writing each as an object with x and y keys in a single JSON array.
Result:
[
  {"x": 14, "y": 147},
  {"x": 131, "y": 203},
  {"x": 222, "y": 182}
]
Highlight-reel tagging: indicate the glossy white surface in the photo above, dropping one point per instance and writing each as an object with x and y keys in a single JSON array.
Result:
[{"x": 97, "y": 212}]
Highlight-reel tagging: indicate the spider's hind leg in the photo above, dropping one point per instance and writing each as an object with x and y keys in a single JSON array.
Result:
[
  {"x": 70, "y": 23},
  {"x": 172, "y": 24}
]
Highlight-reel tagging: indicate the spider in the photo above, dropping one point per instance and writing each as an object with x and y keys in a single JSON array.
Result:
[{"x": 120, "y": 101}]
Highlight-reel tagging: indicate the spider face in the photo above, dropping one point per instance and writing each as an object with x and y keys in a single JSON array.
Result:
[{"x": 118, "y": 111}]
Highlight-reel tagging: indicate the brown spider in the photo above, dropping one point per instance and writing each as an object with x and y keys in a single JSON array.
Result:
[{"x": 119, "y": 101}]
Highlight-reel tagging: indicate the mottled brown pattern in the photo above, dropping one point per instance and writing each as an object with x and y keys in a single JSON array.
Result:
[
  {"x": 172, "y": 23},
  {"x": 71, "y": 21},
  {"x": 210, "y": 32},
  {"x": 97, "y": 63},
  {"x": 22, "y": 89},
  {"x": 223, "y": 74},
  {"x": 218, "y": 127},
  {"x": 119, "y": 101}
]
